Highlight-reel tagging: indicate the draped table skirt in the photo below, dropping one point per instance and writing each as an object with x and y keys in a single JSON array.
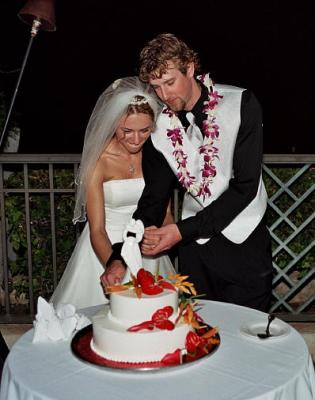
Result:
[{"x": 243, "y": 367}]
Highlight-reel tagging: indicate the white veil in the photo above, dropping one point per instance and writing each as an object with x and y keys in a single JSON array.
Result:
[{"x": 110, "y": 107}]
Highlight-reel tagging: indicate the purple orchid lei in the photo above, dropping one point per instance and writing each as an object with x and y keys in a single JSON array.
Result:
[{"x": 208, "y": 151}]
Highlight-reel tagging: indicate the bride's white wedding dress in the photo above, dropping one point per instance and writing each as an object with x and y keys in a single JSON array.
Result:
[{"x": 80, "y": 282}]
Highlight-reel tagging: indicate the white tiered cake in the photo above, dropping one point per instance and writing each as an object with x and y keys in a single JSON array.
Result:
[
  {"x": 113, "y": 341},
  {"x": 144, "y": 322}
]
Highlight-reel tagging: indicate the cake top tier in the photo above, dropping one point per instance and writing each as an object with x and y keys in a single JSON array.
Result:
[{"x": 127, "y": 307}]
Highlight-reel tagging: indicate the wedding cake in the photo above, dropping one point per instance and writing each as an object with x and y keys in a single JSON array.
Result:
[
  {"x": 147, "y": 321},
  {"x": 150, "y": 319}
]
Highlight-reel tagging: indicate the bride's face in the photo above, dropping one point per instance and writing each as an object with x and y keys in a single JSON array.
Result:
[{"x": 133, "y": 130}]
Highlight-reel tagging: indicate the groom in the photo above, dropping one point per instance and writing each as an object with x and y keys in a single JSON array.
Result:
[{"x": 209, "y": 139}]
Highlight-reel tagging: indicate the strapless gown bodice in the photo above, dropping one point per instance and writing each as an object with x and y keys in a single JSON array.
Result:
[
  {"x": 121, "y": 199},
  {"x": 80, "y": 282}
]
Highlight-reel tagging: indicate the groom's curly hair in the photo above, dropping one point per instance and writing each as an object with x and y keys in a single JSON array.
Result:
[{"x": 165, "y": 47}]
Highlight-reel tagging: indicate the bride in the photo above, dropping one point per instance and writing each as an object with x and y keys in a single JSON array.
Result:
[{"x": 110, "y": 182}]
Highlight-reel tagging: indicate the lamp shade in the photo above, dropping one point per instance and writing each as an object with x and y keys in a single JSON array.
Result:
[{"x": 43, "y": 10}]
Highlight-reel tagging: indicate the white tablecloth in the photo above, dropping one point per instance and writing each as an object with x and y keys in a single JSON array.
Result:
[{"x": 241, "y": 368}]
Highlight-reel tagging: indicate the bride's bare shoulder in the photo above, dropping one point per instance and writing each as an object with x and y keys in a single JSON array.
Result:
[{"x": 106, "y": 166}]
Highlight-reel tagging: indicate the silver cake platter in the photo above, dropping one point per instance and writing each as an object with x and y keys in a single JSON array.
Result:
[{"x": 82, "y": 349}]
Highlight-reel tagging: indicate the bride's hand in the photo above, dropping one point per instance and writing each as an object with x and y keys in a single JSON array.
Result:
[
  {"x": 113, "y": 274},
  {"x": 149, "y": 241}
]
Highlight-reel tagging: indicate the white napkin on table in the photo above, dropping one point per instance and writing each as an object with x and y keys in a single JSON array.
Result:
[
  {"x": 59, "y": 324},
  {"x": 130, "y": 250}
]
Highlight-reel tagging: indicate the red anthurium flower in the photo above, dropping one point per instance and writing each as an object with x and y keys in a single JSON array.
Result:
[
  {"x": 193, "y": 342},
  {"x": 199, "y": 353},
  {"x": 144, "y": 325},
  {"x": 147, "y": 282},
  {"x": 165, "y": 325},
  {"x": 160, "y": 318},
  {"x": 162, "y": 313},
  {"x": 145, "y": 277},
  {"x": 151, "y": 289},
  {"x": 174, "y": 358}
]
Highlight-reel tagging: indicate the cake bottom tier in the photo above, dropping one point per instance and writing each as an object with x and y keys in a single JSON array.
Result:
[{"x": 112, "y": 341}]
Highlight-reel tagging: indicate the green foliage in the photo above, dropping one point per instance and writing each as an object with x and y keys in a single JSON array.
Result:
[
  {"x": 296, "y": 215},
  {"x": 40, "y": 232}
]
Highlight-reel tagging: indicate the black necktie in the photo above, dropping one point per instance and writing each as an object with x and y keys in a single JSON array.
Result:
[{"x": 182, "y": 117}]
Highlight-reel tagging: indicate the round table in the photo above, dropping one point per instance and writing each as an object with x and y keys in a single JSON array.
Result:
[{"x": 243, "y": 367}]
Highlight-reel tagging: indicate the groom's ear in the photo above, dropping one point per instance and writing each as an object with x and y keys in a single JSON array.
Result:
[{"x": 190, "y": 72}]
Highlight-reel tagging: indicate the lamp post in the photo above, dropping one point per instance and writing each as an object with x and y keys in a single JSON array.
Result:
[{"x": 40, "y": 14}]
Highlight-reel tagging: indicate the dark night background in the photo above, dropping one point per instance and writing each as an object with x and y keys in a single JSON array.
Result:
[{"x": 268, "y": 47}]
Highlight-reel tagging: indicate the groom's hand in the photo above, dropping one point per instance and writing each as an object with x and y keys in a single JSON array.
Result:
[
  {"x": 156, "y": 240},
  {"x": 114, "y": 274}
]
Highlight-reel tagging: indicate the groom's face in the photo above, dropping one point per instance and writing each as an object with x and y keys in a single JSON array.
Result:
[{"x": 174, "y": 88}]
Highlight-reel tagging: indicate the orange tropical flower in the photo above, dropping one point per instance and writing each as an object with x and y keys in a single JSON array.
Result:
[
  {"x": 179, "y": 281},
  {"x": 136, "y": 287},
  {"x": 189, "y": 316},
  {"x": 116, "y": 288},
  {"x": 211, "y": 333}
]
